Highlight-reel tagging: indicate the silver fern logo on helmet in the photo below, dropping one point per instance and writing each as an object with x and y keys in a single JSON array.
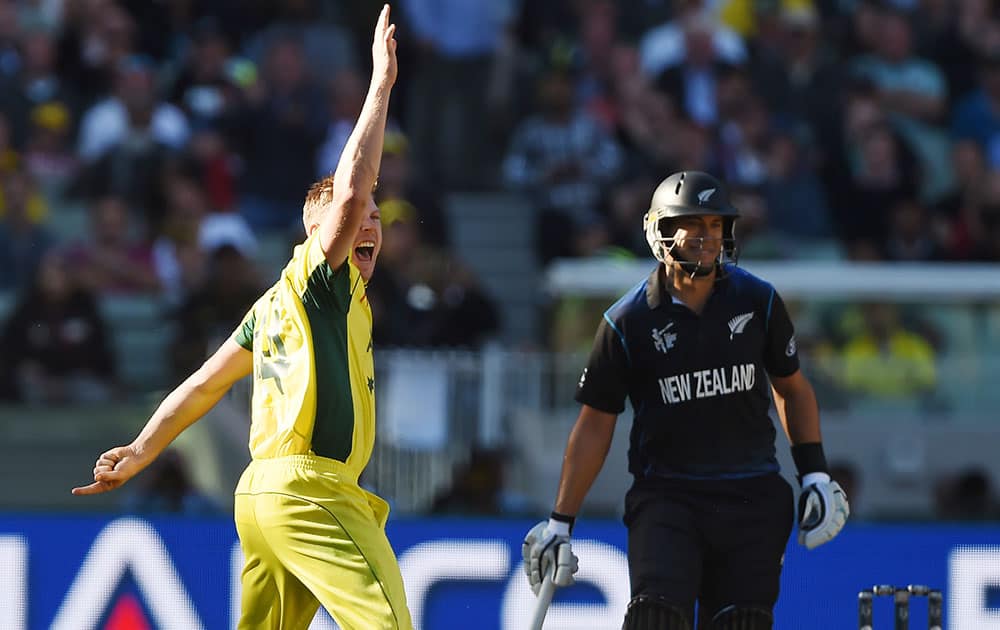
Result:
[{"x": 705, "y": 195}]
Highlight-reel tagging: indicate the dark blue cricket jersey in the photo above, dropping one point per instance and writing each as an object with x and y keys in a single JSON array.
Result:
[{"x": 697, "y": 383}]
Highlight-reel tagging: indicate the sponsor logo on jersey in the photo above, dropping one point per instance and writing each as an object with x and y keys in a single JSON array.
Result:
[
  {"x": 790, "y": 348},
  {"x": 708, "y": 383}
]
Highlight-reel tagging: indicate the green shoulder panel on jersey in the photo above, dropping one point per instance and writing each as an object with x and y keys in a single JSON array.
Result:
[
  {"x": 310, "y": 273},
  {"x": 327, "y": 298},
  {"x": 244, "y": 333}
]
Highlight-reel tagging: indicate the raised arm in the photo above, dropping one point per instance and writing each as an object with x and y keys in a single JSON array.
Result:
[
  {"x": 180, "y": 409},
  {"x": 358, "y": 167}
]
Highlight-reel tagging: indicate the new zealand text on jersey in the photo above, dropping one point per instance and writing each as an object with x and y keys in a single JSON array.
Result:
[{"x": 708, "y": 383}]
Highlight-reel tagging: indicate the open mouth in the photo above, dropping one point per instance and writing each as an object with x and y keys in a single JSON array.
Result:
[{"x": 364, "y": 251}]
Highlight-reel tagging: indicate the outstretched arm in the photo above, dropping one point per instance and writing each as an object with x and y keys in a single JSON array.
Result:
[
  {"x": 180, "y": 409},
  {"x": 359, "y": 163}
]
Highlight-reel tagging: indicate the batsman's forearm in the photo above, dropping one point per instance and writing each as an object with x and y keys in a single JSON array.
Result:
[
  {"x": 180, "y": 409},
  {"x": 585, "y": 454},
  {"x": 361, "y": 158},
  {"x": 801, "y": 414}
]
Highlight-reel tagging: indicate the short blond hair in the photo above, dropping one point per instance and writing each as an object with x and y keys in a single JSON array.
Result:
[{"x": 320, "y": 195}]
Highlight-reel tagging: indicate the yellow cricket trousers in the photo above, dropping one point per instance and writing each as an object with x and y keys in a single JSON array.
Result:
[{"x": 310, "y": 535}]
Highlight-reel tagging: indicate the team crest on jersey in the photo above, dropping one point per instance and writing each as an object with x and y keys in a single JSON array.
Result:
[
  {"x": 738, "y": 323},
  {"x": 663, "y": 339}
]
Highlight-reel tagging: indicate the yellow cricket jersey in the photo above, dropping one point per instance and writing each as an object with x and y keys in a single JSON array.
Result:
[{"x": 314, "y": 376}]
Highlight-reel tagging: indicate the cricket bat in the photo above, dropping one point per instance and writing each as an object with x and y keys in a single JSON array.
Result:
[{"x": 545, "y": 594}]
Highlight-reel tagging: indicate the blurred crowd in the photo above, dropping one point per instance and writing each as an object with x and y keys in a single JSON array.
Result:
[
  {"x": 163, "y": 149},
  {"x": 847, "y": 128}
]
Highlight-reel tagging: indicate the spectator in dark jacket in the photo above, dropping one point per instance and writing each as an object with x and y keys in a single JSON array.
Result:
[{"x": 56, "y": 347}]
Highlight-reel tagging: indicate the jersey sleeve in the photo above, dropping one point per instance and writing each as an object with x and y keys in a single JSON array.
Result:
[
  {"x": 603, "y": 384},
  {"x": 781, "y": 356},
  {"x": 244, "y": 332},
  {"x": 315, "y": 281}
]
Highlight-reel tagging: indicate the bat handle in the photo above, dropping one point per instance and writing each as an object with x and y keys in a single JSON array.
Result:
[{"x": 545, "y": 594}]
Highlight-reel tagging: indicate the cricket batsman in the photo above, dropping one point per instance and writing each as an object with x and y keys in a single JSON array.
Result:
[{"x": 698, "y": 348}]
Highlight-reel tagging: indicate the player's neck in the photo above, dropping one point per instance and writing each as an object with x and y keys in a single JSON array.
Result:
[{"x": 692, "y": 291}]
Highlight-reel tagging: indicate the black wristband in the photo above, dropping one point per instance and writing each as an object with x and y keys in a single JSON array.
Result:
[
  {"x": 564, "y": 518},
  {"x": 809, "y": 458}
]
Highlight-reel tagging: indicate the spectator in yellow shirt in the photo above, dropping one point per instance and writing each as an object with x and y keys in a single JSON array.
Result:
[{"x": 884, "y": 360}]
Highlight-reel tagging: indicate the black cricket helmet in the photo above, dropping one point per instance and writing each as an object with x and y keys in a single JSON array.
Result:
[{"x": 689, "y": 193}]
